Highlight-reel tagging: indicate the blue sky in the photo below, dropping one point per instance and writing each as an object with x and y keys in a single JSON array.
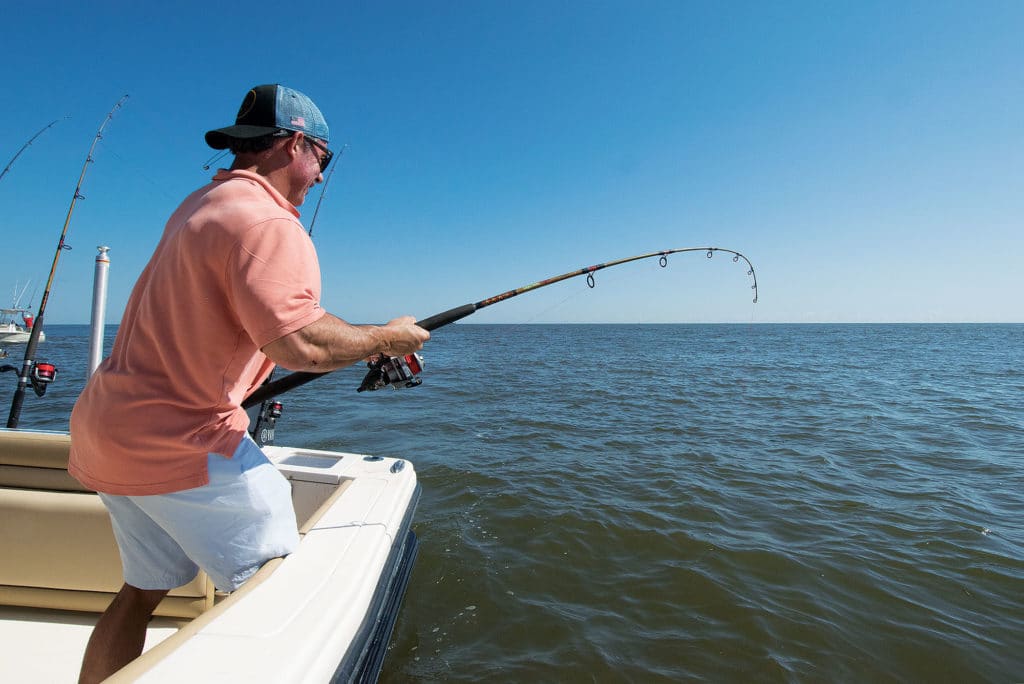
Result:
[{"x": 867, "y": 157}]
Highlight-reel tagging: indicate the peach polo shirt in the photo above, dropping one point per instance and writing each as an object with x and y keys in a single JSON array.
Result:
[{"x": 234, "y": 271}]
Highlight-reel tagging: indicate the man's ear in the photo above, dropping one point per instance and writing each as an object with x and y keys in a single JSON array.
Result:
[{"x": 295, "y": 144}]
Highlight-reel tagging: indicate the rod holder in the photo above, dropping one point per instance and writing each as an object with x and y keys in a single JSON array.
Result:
[{"x": 99, "y": 309}]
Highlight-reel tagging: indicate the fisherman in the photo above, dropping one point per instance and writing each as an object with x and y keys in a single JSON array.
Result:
[{"x": 232, "y": 289}]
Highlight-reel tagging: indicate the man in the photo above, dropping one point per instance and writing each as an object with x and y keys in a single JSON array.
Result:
[{"x": 232, "y": 289}]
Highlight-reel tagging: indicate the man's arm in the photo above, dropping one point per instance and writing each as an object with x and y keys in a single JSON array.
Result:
[{"x": 330, "y": 343}]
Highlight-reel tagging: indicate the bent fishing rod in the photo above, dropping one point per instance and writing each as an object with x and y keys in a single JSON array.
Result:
[
  {"x": 25, "y": 147},
  {"x": 40, "y": 375},
  {"x": 402, "y": 371}
]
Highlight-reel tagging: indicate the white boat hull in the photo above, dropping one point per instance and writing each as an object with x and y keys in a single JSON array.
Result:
[
  {"x": 324, "y": 613},
  {"x": 15, "y": 334}
]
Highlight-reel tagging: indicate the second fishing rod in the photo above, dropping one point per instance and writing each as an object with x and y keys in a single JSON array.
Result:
[
  {"x": 403, "y": 371},
  {"x": 39, "y": 375}
]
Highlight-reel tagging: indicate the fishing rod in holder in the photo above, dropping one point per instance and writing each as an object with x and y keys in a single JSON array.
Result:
[
  {"x": 404, "y": 371},
  {"x": 37, "y": 374},
  {"x": 323, "y": 191}
]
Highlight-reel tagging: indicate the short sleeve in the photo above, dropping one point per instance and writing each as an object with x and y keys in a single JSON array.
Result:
[{"x": 273, "y": 280}]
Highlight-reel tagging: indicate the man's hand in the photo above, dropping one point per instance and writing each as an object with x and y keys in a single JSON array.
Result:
[{"x": 403, "y": 336}]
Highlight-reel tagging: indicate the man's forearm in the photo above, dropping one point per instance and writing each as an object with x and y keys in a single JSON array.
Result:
[{"x": 325, "y": 345}]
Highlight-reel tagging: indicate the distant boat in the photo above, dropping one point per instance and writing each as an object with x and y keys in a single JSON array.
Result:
[{"x": 13, "y": 332}]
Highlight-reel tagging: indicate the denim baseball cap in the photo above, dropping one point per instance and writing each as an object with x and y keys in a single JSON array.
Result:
[{"x": 270, "y": 108}]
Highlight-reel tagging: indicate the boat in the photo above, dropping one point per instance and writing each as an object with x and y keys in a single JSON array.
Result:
[
  {"x": 322, "y": 614},
  {"x": 13, "y": 332}
]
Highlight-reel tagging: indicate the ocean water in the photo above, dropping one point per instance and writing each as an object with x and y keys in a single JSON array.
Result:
[{"x": 615, "y": 503}]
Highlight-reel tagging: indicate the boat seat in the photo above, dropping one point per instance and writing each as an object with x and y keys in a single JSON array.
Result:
[{"x": 55, "y": 535}]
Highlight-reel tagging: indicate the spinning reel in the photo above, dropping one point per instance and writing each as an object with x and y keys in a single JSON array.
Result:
[{"x": 394, "y": 371}]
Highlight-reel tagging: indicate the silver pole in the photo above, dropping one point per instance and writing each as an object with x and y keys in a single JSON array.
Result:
[{"x": 99, "y": 309}]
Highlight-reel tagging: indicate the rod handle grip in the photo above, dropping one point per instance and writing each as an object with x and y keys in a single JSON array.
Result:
[
  {"x": 15, "y": 415},
  {"x": 445, "y": 317},
  {"x": 272, "y": 389}
]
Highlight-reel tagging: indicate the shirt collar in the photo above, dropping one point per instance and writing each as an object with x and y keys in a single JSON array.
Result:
[{"x": 231, "y": 174}]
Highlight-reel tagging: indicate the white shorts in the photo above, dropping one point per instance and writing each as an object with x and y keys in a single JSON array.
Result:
[{"x": 229, "y": 527}]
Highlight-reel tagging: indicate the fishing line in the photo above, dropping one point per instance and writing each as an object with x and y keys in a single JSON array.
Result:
[
  {"x": 139, "y": 171},
  {"x": 148, "y": 119},
  {"x": 556, "y": 304},
  {"x": 40, "y": 375},
  {"x": 635, "y": 280},
  {"x": 390, "y": 371}
]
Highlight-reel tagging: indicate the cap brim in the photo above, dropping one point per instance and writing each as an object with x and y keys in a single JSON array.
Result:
[{"x": 220, "y": 139}]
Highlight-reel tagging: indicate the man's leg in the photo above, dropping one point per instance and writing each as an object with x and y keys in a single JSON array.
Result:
[
  {"x": 150, "y": 558},
  {"x": 234, "y": 524},
  {"x": 120, "y": 634}
]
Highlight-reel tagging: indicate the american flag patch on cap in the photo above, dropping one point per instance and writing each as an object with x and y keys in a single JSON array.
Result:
[{"x": 299, "y": 121}]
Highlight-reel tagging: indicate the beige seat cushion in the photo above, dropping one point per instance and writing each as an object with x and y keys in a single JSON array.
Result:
[
  {"x": 60, "y": 553},
  {"x": 58, "y": 545}
]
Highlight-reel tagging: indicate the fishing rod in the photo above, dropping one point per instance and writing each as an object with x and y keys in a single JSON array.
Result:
[
  {"x": 323, "y": 192},
  {"x": 39, "y": 375},
  {"x": 402, "y": 371},
  {"x": 25, "y": 147}
]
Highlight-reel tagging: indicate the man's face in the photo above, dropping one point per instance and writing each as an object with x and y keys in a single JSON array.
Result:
[{"x": 311, "y": 160}]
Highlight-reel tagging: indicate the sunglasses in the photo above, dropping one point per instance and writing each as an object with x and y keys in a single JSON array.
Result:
[{"x": 328, "y": 155}]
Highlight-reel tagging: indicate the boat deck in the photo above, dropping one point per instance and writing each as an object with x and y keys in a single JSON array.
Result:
[
  {"x": 324, "y": 611},
  {"x": 41, "y": 634}
]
